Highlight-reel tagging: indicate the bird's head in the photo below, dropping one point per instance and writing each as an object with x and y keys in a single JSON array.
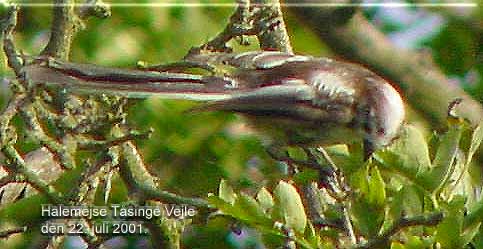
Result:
[{"x": 384, "y": 115}]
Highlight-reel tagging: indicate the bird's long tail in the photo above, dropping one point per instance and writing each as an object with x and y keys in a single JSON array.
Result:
[
  {"x": 131, "y": 83},
  {"x": 220, "y": 93}
]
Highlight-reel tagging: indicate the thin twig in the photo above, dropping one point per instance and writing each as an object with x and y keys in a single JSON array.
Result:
[
  {"x": 342, "y": 190},
  {"x": 91, "y": 144},
  {"x": 9, "y": 232},
  {"x": 87, "y": 176},
  {"x": 336, "y": 173},
  {"x": 167, "y": 197},
  {"x": 238, "y": 26},
  {"x": 10, "y": 178},
  {"x": 432, "y": 219},
  {"x": 312, "y": 202},
  {"x": 262, "y": 18}
]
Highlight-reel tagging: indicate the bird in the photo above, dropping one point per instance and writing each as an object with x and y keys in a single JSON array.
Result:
[{"x": 292, "y": 100}]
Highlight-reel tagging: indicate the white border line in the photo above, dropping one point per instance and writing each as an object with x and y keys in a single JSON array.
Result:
[{"x": 303, "y": 5}]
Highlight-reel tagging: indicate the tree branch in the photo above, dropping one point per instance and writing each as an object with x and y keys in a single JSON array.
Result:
[
  {"x": 273, "y": 35},
  {"x": 9, "y": 232},
  {"x": 141, "y": 183},
  {"x": 95, "y": 8},
  {"x": 63, "y": 29},
  {"x": 7, "y": 27},
  {"x": 262, "y": 18}
]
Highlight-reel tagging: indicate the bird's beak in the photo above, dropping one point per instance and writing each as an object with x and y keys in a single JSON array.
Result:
[{"x": 368, "y": 148}]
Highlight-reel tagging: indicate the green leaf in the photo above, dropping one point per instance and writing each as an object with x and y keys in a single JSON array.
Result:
[
  {"x": 226, "y": 192},
  {"x": 407, "y": 200},
  {"x": 306, "y": 176},
  {"x": 448, "y": 232},
  {"x": 367, "y": 218},
  {"x": 413, "y": 148},
  {"x": 222, "y": 205},
  {"x": 368, "y": 204},
  {"x": 247, "y": 209},
  {"x": 470, "y": 233},
  {"x": 415, "y": 242},
  {"x": 445, "y": 156},
  {"x": 408, "y": 156},
  {"x": 478, "y": 239},
  {"x": 348, "y": 159},
  {"x": 397, "y": 245},
  {"x": 476, "y": 139},
  {"x": 290, "y": 206},
  {"x": 265, "y": 199},
  {"x": 475, "y": 215},
  {"x": 297, "y": 153},
  {"x": 311, "y": 236},
  {"x": 359, "y": 180},
  {"x": 377, "y": 188}
]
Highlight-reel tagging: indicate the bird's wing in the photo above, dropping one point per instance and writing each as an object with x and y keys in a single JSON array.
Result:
[
  {"x": 247, "y": 60},
  {"x": 294, "y": 101},
  {"x": 301, "y": 87}
]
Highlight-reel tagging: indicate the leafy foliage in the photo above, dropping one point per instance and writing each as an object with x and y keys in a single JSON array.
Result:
[{"x": 402, "y": 199}]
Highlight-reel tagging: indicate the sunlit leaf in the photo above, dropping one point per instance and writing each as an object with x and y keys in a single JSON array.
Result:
[
  {"x": 377, "y": 188},
  {"x": 290, "y": 206},
  {"x": 220, "y": 204},
  {"x": 397, "y": 245},
  {"x": 247, "y": 209},
  {"x": 297, "y": 153},
  {"x": 408, "y": 156},
  {"x": 445, "y": 156},
  {"x": 265, "y": 199},
  {"x": 476, "y": 139},
  {"x": 470, "y": 233},
  {"x": 415, "y": 242},
  {"x": 226, "y": 192}
]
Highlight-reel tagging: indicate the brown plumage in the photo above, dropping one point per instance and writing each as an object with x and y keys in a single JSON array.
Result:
[{"x": 293, "y": 99}]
